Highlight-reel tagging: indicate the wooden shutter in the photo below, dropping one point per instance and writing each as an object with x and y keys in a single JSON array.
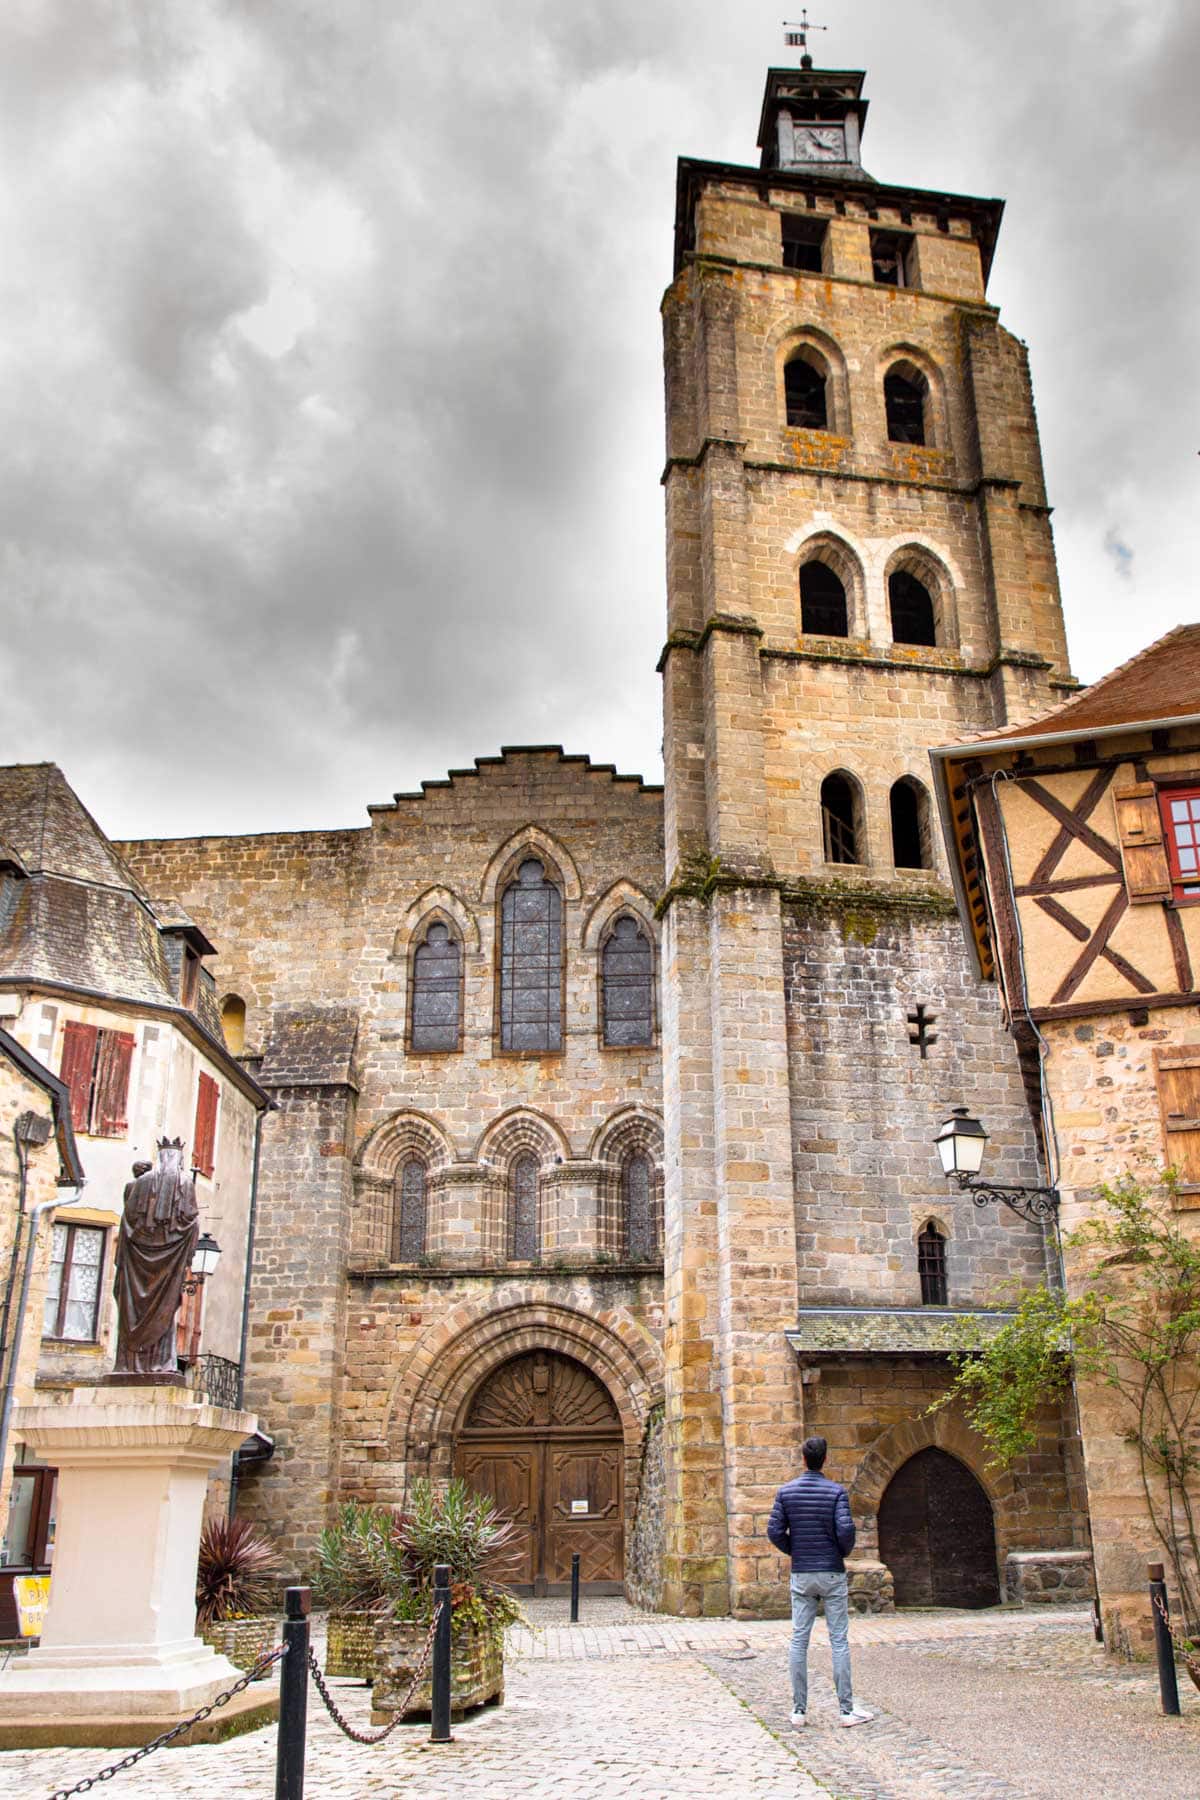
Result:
[
  {"x": 78, "y": 1062},
  {"x": 1179, "y": 1098},
  {"x": 1139, "y": 827},
  {"x": 113, "y": 1062},
  {"x": 188, "y": 1324},
  {"x": 205, "y": 1135}
]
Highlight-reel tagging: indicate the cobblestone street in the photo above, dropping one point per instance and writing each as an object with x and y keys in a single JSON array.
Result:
[{"x": 973, "y": 1705}]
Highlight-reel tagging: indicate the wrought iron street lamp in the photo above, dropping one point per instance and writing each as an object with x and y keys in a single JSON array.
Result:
[
  {"x": 205, "y": 1258},
  {"x": 961, "y": 1143}
]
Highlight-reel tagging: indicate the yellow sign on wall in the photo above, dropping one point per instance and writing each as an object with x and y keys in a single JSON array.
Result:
[{"x": 32, "y": 1595}]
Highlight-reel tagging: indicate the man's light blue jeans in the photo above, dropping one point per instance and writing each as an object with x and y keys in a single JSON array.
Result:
[{"x": 834, "y": 1590}]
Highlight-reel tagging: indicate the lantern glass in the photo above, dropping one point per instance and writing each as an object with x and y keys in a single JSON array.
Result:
[
  {"x": 961, "y": 1143},
  {"x": 205, "y": 1257}
]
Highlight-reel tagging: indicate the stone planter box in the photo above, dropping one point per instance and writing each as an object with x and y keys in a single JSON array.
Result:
[
  {"x": 350, "y": 1644},
  {"x": 476, "y": 1671},
  {"x": 1048, "y": 1577},
  {"x": 243, "y": 1641}
]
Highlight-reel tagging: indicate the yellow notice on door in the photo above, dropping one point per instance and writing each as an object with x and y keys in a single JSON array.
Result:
[{"x": 32, "y": 1595}]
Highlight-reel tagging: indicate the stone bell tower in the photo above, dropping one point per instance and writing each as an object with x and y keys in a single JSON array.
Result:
[{"x": 860, "y": 565}]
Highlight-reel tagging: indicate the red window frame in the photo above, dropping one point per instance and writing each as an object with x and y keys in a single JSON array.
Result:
[
  {"x": 204, "y": 1137},
  {"x": 1181, "y": 835}
]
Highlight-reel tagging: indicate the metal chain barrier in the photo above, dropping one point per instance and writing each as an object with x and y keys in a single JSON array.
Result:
[
  {"x": 368, "y": 1737},
  {"x": 263, "y": 1663}
]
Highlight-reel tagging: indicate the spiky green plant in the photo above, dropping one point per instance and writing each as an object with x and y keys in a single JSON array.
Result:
[{"x": 237, "y": 1576}]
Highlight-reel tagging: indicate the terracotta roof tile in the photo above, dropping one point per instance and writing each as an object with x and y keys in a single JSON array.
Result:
[{"x": 1160, "y": 682}]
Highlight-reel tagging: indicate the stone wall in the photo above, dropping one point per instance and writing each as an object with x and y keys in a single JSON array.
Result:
[
  {"x": 316, "y": 931},
  {"x": 644, "y": 1560},
  {"x": 1101, "y": 1079}
]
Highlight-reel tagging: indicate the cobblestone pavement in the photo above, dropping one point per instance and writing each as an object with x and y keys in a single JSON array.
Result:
[{"x": 979, "y": 1706}]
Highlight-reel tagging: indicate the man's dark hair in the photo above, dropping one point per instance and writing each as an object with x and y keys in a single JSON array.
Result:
[{"x": 815, "y": 1450}]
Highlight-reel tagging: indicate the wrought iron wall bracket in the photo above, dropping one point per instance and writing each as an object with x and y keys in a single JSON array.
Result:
[{"x": 1032, "y": 1203}]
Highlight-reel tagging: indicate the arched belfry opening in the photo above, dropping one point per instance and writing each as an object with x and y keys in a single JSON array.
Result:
[
  {"x": 937, "y": 1534},
  {"x": 542, "y": 1436}
]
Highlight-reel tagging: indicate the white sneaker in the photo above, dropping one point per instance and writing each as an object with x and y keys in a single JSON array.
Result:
[
  {"x": 858, "y": 1715},
  {"x": 799, "y": 1721}
]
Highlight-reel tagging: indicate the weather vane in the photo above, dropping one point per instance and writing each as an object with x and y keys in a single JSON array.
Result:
[{"x": 796, "y": 36}]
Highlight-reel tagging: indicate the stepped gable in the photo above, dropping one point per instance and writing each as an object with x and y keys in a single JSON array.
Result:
[{"x": 511, "y": 754}]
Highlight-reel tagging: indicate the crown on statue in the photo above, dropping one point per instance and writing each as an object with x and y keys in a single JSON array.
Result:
[{"x": 169, "y": 1144}]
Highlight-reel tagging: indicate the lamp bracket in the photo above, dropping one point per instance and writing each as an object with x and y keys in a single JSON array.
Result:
[{"x": 1032, "y": 1203}]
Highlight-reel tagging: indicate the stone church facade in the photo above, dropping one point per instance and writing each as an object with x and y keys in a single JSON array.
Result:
[{"x": 601, "y": 1167}]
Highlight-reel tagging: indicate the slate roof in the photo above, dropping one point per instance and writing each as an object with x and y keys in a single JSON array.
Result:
[
  {"x": 53, "y": 833},
  {"x": 1158, "y": 686},
  {"x": 310, "y": 1047}
]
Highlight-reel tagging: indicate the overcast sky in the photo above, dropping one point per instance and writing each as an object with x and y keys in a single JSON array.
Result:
[{"x": 330, "y": 359}]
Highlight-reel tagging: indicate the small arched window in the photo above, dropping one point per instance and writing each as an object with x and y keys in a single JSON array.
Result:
[
  {"x": 531, "y": 962},
  {"x": 233, "y": 1024},
  {"x": 637, "y": 1206},
  {"x": 839, "y": 823},
  {"x": 931, "y": 1266},
  {"x": 914, "y": 617},
  {"x": 436, "y": 991},
  {"x": 524, "y": 1232},
  {"x": 408, "y": 1212},
  {"x": 627, "y": 978},
  {"x": 805, "y": 394},
  {"x": 905, "y": 391},
  {"x": 823, "y": 611},
  {"x": 910, "y": 825}
]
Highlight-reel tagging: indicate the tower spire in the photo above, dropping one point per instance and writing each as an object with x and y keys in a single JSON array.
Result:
[{"x": 795, "y": 36}]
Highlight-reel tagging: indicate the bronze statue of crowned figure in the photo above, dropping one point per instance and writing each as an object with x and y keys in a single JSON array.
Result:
[{"x": 159, "y": 1230}]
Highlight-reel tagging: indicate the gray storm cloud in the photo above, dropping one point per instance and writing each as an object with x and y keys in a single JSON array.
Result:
[{"x": 331, "y": 361}]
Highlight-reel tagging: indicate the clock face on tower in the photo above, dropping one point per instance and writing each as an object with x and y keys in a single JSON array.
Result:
[{"x": 820, "y": 143}]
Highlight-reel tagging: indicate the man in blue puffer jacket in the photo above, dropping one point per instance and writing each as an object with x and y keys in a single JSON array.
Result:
[{"x": 810, "y": 1522}]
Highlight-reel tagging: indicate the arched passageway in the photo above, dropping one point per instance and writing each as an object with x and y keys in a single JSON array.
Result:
[
  {"x": 937, "y": 1534},
  {"x": 542, "y": 1436}
]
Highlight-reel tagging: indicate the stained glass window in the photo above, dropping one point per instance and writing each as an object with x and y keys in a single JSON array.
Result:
[
  {"x": 436, "y": 991},
  {"x": 637, "y": 1196},
  {"x": 524, "y": 1237},
  {"x": 73, "y": 1289},
  {"x": 531, "y": 962},
  {"x": 408, "y": 1220},
  {"x": 628, "y": 983}
]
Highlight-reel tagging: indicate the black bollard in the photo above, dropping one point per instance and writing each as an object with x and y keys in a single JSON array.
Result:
[
  {"x": 575, "y": 1587},
  {"x": 1168, "y": 1687},
  {"x": 293, "y": 1697},
  {"x": 439, "y": 1708}
]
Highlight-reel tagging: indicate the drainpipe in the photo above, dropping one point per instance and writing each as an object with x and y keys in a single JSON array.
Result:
[
  {"x": 241, "y": 1381},
  {"x": 26, "y": 1130},
  {"x": 35, "y": 1217}
]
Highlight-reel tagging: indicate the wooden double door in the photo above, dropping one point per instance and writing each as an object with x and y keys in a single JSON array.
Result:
[
  {"x": 542, "y": 1439},
  {"x": 937, "y": 1534}
]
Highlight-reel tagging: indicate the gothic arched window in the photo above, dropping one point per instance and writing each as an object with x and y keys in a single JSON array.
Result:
[
  {"x": 627, "y": 980},
  {"x": 409, "y": 1212},
  {"x": 639, "y": 1231},
  {"x": 839, "y": 819},
  {"x": 531, "y": 962},
  {"x": 804, "y": 395},
  {"x": 914, "y": 617},
  {"x": 904, "y": 394},
  {"x": 910, "y": 825},
  {"x": 931, "y": 1265},
  {"x": 436, "y": 991},
  {"x": 524, "y": 1235},
  {"x": 823, "y": 611}
]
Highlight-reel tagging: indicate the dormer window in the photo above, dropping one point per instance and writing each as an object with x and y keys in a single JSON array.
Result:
[
  {"x": 891, "y": 259},
  {"x": 803, "y": 243}
]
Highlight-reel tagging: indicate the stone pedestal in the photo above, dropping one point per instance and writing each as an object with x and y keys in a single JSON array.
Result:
[{"x": 119, "y": 1659}]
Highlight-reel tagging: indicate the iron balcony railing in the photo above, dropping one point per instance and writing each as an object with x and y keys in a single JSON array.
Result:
[{"x": 218, "y": 1379}]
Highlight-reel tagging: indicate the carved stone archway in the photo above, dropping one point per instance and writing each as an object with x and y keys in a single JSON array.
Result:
[{"x": 434, "y": 1389}]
